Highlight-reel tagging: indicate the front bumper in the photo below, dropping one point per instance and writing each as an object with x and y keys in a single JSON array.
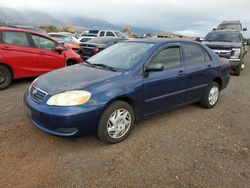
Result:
[
  {"x": 234, "y": 62},
  {"x": 63, "y": 121}
]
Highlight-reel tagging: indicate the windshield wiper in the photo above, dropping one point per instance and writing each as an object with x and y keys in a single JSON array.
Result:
[
  {"x": 105, "y": 66},
  {"x": 87, "y": 62}
]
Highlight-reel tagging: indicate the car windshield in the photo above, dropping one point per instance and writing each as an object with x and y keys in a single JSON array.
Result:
[
  {"x": 122, "y": 56},
  {"x": 230, "y": 26},
  {"x": 121, "y": 35},
  {"x": 223, "y": 37}
]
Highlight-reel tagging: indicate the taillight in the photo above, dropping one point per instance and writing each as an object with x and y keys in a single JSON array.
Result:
[
  {"x": 229, "y": 66},
  {"x": 96, "y": 50}
]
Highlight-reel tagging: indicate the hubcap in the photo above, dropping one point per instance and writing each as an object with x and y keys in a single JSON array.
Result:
[
  {"x": 213, "y": 95},
  {"x": 119, "y": 123},
  {"x": 2, "y": 77}
]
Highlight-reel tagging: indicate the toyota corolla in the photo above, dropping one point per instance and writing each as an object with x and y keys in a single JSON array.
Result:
[{"x": 124, "y": 83}]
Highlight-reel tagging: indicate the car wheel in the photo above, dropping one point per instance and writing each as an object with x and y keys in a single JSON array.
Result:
[
  {"x": 5, "y": 77},
  {"x": 116, "y": 122},
  {"x": 238, "y": 70},
  {"x": 211, "y": 97}
]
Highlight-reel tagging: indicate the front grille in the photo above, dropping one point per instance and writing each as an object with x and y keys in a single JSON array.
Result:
[
  {"x": 223, "y": 53},
  {"x": 220, "y": 47},
  {"x": 37, "y": 94},
  {"x": 91, "y": 46}
]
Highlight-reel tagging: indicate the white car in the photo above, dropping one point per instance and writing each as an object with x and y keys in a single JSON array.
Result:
[{"x": 104, "y": 33}]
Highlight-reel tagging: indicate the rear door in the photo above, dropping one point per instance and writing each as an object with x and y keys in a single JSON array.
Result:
[
  {"x": 198, "y": 65},
  {"x": 165, "y": 89},
  {"x": 19, "y": 53},
  {"x": 49, "y": 59}
]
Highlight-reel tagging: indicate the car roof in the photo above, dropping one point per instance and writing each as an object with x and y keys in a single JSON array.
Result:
[
  {"x": 24, "y": 31},
  {"x": 20, "y": 30},
  {"x": 231, "y": 21}
]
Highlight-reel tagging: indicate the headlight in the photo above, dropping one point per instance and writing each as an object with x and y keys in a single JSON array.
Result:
[
  {"x": 69, "y": 98},
  {"x": 236, "y": 52}
]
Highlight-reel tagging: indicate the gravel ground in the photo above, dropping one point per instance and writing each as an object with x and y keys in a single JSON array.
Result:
[{"x": 188, "y": 147}]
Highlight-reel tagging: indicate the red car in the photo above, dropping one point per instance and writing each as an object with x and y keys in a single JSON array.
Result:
[{"x": 26, "y": 53}]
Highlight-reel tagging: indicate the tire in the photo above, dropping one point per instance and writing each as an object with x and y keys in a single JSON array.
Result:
[
  {"x": 5, "y": 77},
  {"x": 122, "y": 125},
  {"x": 237, "y": 70},
  {"x": 207, "y": 101}
]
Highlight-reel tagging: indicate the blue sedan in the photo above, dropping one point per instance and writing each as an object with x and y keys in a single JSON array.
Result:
[{"x": 126, "y": 82}]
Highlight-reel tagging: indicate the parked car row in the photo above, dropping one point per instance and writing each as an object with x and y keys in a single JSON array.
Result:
[{"x": 122, "y": 81}]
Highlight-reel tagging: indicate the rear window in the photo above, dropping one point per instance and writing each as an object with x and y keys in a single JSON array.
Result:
[
  {"x": 15, "y": 38},
  {"x": 102, "y": 33},
  {"x": 110, "y": 34},
  {"x": 230, "y": 26}
]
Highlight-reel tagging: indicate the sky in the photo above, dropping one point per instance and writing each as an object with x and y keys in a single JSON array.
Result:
[{"x": 190, "y": 17}]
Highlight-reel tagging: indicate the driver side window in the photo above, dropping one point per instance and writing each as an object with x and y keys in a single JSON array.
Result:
[
  {"x": 169, "y": 58},
  {"x": 44, "y": 43}
]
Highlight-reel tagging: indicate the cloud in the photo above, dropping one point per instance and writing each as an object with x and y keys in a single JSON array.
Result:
[{"x": 193, "y": 17}]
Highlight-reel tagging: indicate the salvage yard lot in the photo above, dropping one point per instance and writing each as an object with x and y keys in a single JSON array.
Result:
[{"x": 188, "y": 147}]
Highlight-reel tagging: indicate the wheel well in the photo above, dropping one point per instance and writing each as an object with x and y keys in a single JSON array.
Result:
[
  {"x": 130, "y": 101},
  {"x": 218, "y": 81},
  {"x": 70, "y": 62},
  {"x": 8, "y": 67}
]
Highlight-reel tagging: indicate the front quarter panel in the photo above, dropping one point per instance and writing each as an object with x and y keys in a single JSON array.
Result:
[{"x": 127, "y": 86}]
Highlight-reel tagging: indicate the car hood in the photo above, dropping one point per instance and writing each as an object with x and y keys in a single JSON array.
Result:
[
  {"x": 223, "y": 45},
  {"x": 72, "y": 78}
]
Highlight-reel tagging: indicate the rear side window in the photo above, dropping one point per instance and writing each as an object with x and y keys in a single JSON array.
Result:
[
  {"x": 169, "y": 57},
  {"x": 207, "y": 57},
  {"x": 110, "y": 34},
  {"x": 102, "y": 33},
  {"x": 15, "y": 38},
  {"x": 193, "y": 54},
  {"x": 43, "y": 43}
]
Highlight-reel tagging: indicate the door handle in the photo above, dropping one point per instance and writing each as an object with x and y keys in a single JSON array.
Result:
[
  {"x": 181, "y": 73},
  {"x": 42, "y": 53},
  {"x": 6, "y": 47},
  {"x": 209, "y": 66}
]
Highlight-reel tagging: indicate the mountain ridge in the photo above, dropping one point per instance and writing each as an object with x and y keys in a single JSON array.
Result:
[{"x": 36, "y": 18}]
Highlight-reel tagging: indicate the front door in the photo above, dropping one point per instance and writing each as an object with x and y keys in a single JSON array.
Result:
[
  {"x": 49, "y": 59},
  {"x": 165, "y": 89},
  {"x": 19, "y": 53}
]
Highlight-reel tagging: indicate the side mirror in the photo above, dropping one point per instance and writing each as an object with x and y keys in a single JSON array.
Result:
[
  {"x": 245, "y": 43},
  {"x": 59, "y": 49},
  {"x": 154, "y": 67},
  {"x": 244, "y": 29}
]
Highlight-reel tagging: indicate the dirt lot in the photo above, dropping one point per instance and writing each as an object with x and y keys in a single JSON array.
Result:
[{"x": 188, "y": 147}]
